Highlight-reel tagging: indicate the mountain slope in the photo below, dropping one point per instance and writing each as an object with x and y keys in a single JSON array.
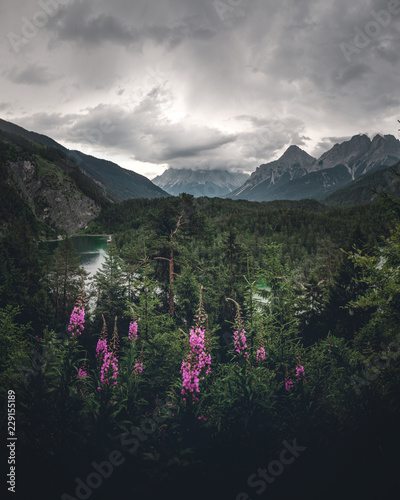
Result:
[
  {"x": 361, "y": 155},
  {"x": 203, "y": 182},
  {"x": 363, "y": 189},
  {"x": 117, "y": 182},
  {"x": 293, "y": 164},
  {"x": 42, "y": 184}
]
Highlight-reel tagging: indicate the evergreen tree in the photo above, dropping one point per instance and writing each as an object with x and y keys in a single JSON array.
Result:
[
  {"x": 65, "y": 279},
  {"x": 110, "y": 284}
]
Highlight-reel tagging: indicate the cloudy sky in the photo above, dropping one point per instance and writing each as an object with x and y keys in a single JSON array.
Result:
[{"x": 193, "y": 83}]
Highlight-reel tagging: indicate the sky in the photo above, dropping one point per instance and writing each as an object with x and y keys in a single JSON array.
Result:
[{"x": 200, "y": 83}]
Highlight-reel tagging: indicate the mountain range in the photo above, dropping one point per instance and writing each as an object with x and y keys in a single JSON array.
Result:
[
  {"x": 297, "y": 175},
  {"x": 201, "y": 182}
]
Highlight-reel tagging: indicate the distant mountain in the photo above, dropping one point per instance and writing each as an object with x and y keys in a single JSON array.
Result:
[
  {"x": 361, "y": 155},
  {"x": 118, "y": 183},
  {"x": 366, "y": 187},
  {"x": 268, "y": 178},
  {"x": 296, "y": 175},
  {"x": 202, "y": 182}
]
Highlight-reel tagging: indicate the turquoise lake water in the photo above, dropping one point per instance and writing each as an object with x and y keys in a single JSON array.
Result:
[{"x": 92, "y": 251}]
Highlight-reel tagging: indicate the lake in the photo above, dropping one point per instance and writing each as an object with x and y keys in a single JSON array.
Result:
[{"x": 92, "y": 251}]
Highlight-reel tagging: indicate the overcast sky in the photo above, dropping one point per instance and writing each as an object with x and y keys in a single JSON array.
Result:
[{"x": 193, "y": 83}]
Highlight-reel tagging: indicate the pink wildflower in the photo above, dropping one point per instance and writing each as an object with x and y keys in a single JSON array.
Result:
[
  {"x": 109, "y": 369},
  {"x": 260, "y": 355},
  {"x": 77, "y": 320},
  {"x": 300, "y": 373},
  {"x": 132, "y": 333},
  {"x": 101, "y": 348},
  {"x": 289, "y": 385},
  {"x": 138, "y": 368},
  {"x": 240, "y": 342},
  {"x": 197, "y": 364},
  {"x": 82, "y": 373}
]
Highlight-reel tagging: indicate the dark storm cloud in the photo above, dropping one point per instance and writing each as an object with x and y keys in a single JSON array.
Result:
[
  {"x": 80, "y": 22},
  {"x": 199, "y": 146}
]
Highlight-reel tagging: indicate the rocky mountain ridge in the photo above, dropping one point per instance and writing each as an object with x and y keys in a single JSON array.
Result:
[
  {"x": 297, "y": 175},
  {"x": 202, "y": 182}
]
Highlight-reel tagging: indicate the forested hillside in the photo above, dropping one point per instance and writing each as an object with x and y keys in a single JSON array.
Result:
[
  {"x": 224, "y": 333},
  {"x": 43, "y": 182}
]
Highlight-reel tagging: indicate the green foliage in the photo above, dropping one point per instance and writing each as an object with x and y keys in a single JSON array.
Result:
[
  {"x": 14, "y": 345},
  {"x": 303, "y": 300}
]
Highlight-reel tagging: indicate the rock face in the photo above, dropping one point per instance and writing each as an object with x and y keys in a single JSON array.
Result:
[
  {"x": 296, "y": 175},
  {"x": 202, "y": 182},
  {"x": 294, "y": 163},
  {"x": 360, "y": 155},
  {"x": 52, "y": 196}
]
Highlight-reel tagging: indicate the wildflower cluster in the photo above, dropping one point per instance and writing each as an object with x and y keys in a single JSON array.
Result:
[
  {"x": 82, "y": 373},
  {"x": 260, "y": 354},
  {"x": 109, "y": 369},
  {"x": 132, "y": 333},
  {"x": 77, "y": 319},
  {"x": 197, "y": 363},
  {"x": 239, "y": 339},
  {"x": 239, "y": 335},
  {"x": 107, "y": 357},
  {"x": 101, "y": 348},
  {"x": 289, "y": 384},
  {"x": 138, "y": 368},
  {"x": 300, "y": 373}
]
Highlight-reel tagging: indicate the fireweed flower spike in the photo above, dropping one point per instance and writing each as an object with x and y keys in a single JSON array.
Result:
[
  {"x": 289, "y": 385},
  {"x": 82, "y": 373},
  {"x": 77, "y": 319},
  {"x": 197, "y": 364},
  {"x": 138, "y": 368},
  {"x": 300, "y": 372},
  {"x": 109, "y": 369},
  {"x": 108, "y": 358},
  {"x": 260, "y": 355},
  {"x": 132, "y": 333},
  {"x": 239, "y": 335},
  {"x": 102, "y": 348}
]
